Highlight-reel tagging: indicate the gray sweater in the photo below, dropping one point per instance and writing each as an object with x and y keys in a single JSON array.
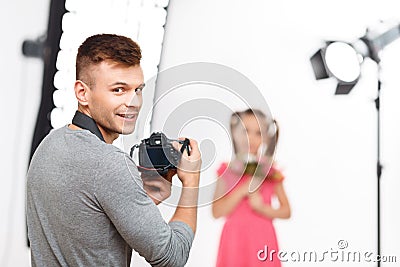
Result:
[{"x": 86, "y": 206}]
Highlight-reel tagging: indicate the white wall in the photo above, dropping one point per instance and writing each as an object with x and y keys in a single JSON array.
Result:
[
  {"x": 19, "y": 100},
  {"x": 327, "y": 147}
]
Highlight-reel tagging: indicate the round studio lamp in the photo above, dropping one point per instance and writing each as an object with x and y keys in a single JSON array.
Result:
[{"x": 343, "y": 61}]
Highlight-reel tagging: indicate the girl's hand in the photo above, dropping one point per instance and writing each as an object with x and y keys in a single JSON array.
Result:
[
  {"x": 256, "y": 201},
  {"x": 257, "y": 204}
]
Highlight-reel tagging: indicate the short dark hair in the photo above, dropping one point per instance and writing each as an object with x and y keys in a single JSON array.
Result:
[{"x": 101, "y": 47}]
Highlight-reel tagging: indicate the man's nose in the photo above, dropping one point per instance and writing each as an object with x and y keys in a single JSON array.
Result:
[{"x": 134, "y": 100}]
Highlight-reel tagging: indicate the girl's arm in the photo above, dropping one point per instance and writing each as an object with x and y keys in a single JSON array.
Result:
[
  {"x": 258, "y": 205},
  {"x": 223, "y": 203}
]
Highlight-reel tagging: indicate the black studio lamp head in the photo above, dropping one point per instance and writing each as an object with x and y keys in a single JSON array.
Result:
[
  {"x": 342, "y": 60},
  {"x": 338, "y": 60}
]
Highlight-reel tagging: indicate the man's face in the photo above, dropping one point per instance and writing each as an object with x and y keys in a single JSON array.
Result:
[{"x": 115, "y": 98}]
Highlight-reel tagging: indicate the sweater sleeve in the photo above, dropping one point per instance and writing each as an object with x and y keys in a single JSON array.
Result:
[{"x": 119, "y": 191}]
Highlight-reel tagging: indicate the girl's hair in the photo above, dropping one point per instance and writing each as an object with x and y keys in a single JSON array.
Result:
[{"x": 270, "y": 135}]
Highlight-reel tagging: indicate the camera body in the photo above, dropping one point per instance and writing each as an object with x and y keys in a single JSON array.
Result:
[{"x": 156, "y": 153}]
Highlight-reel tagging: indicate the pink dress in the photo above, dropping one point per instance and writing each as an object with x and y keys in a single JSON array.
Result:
[{"x": 245, "y": 232}]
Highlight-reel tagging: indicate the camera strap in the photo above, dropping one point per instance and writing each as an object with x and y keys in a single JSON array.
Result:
[
  {"x": 185, "y": 145},
  {"x": 85, "y": 122}
]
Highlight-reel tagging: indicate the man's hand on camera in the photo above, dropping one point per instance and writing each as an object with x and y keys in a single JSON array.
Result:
[
  {"x": 158, "y": 187},
  {"x": 189, "y": 166}
]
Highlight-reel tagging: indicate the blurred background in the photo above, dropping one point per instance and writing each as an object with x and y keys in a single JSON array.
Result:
[{"x": 328, "y": 144}]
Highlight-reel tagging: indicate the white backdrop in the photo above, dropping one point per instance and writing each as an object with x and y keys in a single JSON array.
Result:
[
  {"x": 19, "y": 97},
  {"x": 327, "y": 148}
]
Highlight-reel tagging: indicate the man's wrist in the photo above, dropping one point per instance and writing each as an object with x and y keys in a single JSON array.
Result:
[{"x": 191, "y": 180}]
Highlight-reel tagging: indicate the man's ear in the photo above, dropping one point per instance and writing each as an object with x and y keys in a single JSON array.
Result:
[{"x": 81, "y": 92}]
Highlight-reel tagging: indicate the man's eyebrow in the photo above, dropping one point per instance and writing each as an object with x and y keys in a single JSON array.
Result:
[
  {"x": 141, "y": 86},
  {"x": 118, "y": 83}
]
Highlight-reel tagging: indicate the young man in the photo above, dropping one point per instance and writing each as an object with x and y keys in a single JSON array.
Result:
[{"x": 86, "y": 202}]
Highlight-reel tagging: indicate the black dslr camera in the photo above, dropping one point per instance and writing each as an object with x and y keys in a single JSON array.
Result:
[{"x": 156, "y": 153}]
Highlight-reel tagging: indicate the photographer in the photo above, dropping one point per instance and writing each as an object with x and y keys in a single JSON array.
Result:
[{"x": 86, "y": 202}]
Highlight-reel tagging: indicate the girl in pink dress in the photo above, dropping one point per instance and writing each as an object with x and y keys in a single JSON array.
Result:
[{"x": 243, "y": 194}]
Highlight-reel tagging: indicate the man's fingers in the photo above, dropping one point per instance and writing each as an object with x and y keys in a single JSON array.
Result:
[
  {"x": 169, "y": 175},
  {"x": 194, "y": 148}
]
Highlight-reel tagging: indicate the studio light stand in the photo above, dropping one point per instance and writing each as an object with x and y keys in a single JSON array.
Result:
[
  {"x": 378, "y": 164},
  {"x": 369, "y": 45}
]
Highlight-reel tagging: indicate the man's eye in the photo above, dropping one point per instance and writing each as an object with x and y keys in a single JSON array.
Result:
[
  {"x": 118, "y": 90},
  {"x": 138, "y": 91}
]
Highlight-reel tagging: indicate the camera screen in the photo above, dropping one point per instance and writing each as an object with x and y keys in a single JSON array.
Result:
[{"x": 157, "y": 157}]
